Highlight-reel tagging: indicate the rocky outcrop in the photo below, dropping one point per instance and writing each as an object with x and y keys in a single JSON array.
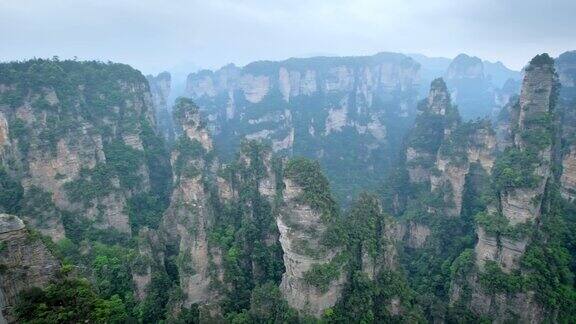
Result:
[
  {"x": 501, "y": 228},
  {"x": 25, "y": 262},
  {"x": 436, "y": 118},
  {"x": 465, "y": 67},
  {"x": 568, "y": 178},
  {"x": 522, "y": 307},
  {"x": 566, "y": 67},
  {"x": 416, "y": 235},
  {"x": 537, "y": 100},
  {"x": 305, "y": 106},
  {"x": 301, "y": 231},
  {"x": 479, "y": 88},
  {"x": 72, "y": 128},
  {"x": 160, "y": 88},
  {"x": 151, "y": 253},
  {"x": 441, "y": 148},
  {"x": 189, "y": 216}
]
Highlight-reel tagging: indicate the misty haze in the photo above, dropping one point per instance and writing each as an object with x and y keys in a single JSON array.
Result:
[{"x": 283, "y": 161}]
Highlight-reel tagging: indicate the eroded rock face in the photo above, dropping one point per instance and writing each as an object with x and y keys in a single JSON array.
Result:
[
  {"x": 59, "y": 133},
  {"x": 465, "y": 67},
  {"x": 566, "y": 67},
  {"x": 25, "y": 262},
  {"x": 301, "y": 229},
  {"x": 417, "y": 234},
  {"x": 150, "y": 250},
  {"x": 519, "y": 205},
  {"x": 4, "y": 136},
  {"x": 421, "y": 151},
  {"x": 160, "y": 88},
  {"x": 524, "y": 306},
  {"x": 441, "y": 148},
  {"x": 188, "y": 218},
  {"x": 304, "y": 106},
  {"x": 568, "y": 178},
  {"x": 536, "y": 99}
]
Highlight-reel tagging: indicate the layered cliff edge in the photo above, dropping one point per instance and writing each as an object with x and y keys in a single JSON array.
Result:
[
  {"x": 508, "y": 225},
  {"x": 82, "y": 135},
  {"x": 25, "y": 262},
  {"x": 260, "y": 221},
  {"x": 305, "y": 107},
  {"x": 160, "y": 88}
]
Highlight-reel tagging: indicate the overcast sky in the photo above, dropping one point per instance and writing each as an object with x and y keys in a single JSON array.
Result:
[{"x": 155, "y": 35}]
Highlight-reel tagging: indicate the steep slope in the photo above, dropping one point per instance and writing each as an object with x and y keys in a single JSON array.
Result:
[
  {"x": 25, "y": 262},
  {"x": 189, "y": 215},
  {"x": 160, "y": 87},
  {"x": 566, "y": 67},
  {"x": 435, "y": 192},
  {"x": 307, "y": 222},
  {"x": 307, "y": 107},
  {"x": 522, "y": 181},
  {"x": 79, "y": 137}
]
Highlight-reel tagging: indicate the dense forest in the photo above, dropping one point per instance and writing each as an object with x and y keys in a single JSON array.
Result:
[{"x": 468, "y": 221}]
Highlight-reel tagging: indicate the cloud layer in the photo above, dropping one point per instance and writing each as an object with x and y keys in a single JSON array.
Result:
[{"x": 154, "y": 35}]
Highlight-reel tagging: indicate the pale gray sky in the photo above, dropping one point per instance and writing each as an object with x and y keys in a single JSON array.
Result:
[{"x": 154, "y": 35}]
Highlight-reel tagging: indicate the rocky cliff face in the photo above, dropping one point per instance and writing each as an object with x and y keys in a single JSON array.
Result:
[
  {"x": 80, "y": 133},
  {"x": 441, "y": 148},
  {"x": 502, "y": 228},
  {"x": 303, "y": 230},
  {"x": 160, "y": 88},
  {"x": 566, "y": 67},
  {"x": 436, "y": 117},
  {"x": 187, "y": 219},
  {"x": 471, "y": 142},
  {"x": 443, "y": 157},
  {"x": 308, "y": 106},
  {"x": 25, "y": 262}
]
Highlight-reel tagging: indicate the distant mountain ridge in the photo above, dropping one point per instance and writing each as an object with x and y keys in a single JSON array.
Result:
[{"x": 309, "y": 106}]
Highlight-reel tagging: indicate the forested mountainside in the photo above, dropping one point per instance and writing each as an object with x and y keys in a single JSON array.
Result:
[
  {"x": 82, "y": 164},
  {"x": 308, "y": 107},
  {"x": 104, "y": 223}
]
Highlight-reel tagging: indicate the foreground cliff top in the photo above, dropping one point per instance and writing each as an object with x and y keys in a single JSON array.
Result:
[{"x": 10, "y": 223}]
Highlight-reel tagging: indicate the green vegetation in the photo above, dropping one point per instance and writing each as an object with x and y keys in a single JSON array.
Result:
[
  {"x": 496, "y": 224},
  {"x": 541, "y": 59},
  {"x": 85, "y": 105},
  {"x": 515, "y": 169},
  {"x": 388, "y": 278},
  {"x": 91, "y": 184},
  {"x": 242, "y": 229},
  {"x": 70, "y": 301},
  {"x": 369, "y": 301},
  {"x": 316, "y": 193},
  {"x": 19, "y": 132},
  {"x": 316, "y": 190},
  {"x": 549, "y": 259},
  {"x": 462, "y": 265},
  {"x": 321, "y": 275},
  {"x": 494, "y": 280},
  {"x": 145, "y": 210},
  {"x": 125, "y": 162},
  {"x": 11, "y": 193},
  {"x": 188, "y": 151}
]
